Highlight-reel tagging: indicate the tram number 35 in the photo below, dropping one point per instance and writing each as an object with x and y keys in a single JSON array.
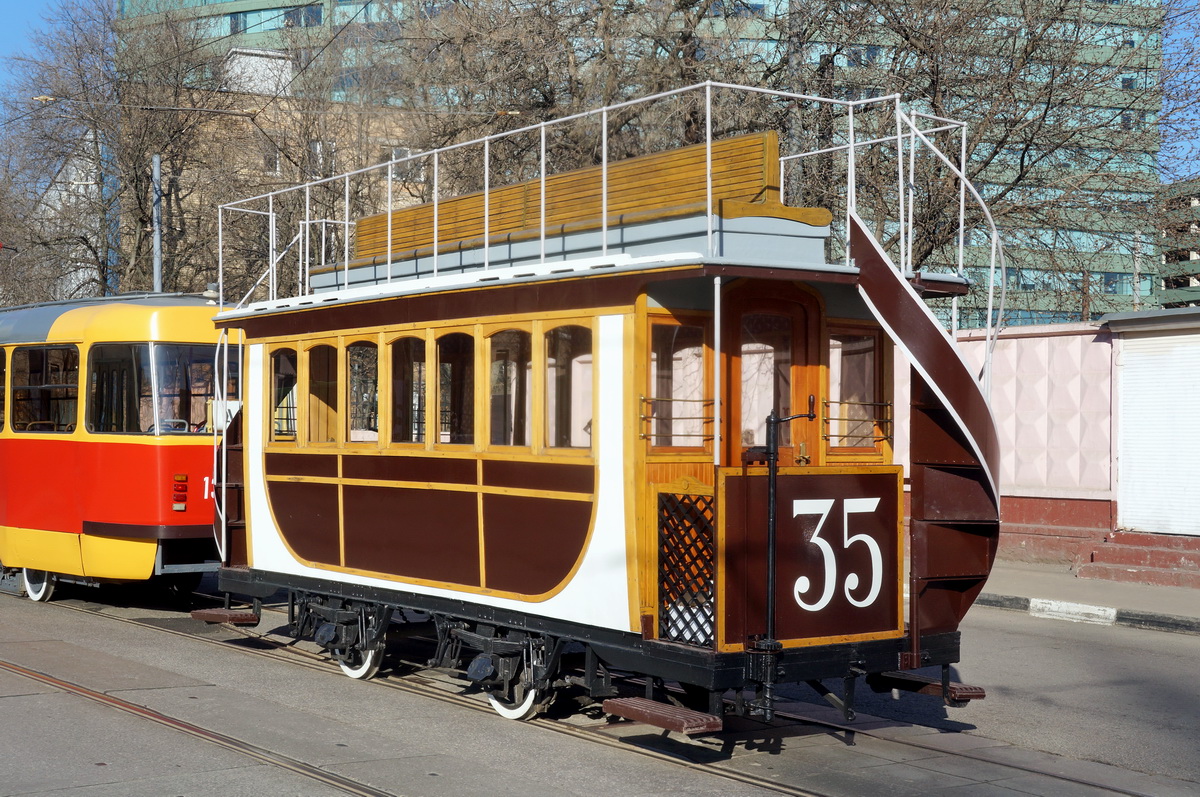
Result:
[{"x": 803, "y": 588}]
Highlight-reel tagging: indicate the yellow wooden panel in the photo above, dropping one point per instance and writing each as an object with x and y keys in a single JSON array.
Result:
[{"x": 744, "y": 168}]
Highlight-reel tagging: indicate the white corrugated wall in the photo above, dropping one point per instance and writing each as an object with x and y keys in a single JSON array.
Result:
[{"x": 1158, "y": 435}]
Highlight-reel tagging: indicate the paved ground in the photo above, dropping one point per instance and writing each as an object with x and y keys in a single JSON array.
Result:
[
  {"x": 59, "y": 743},
  {"x": 1054, "y": 591}
]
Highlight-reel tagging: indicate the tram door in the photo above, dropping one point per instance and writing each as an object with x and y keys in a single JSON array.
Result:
[{"x": 772, "y": 354}]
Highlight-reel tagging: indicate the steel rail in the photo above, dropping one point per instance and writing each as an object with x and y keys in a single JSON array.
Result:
[{"x": 221, "y": 740}]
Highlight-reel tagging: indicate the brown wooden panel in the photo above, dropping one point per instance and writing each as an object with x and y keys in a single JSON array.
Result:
[
  {"x": 531, "y": 544},
  {"x": 427, "y": 534},
  {"x": 941, "y": 605},
  {"x": 936, "y": 439},
  {"x": 409, "y": 468},
  {"x": 951, "y": 550},
  {"x": 802, "y": 572},
  {"x": 556, "y": 476},
  {"x": 949, "y": 494},
  {"x": 319, "y": 465},
  {"x": 307, "y": 515}
]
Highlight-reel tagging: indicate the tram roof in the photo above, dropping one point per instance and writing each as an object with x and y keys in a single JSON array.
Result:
[
  {"x": 687, "y": 263},
  {"x": 36, "y": 322}
]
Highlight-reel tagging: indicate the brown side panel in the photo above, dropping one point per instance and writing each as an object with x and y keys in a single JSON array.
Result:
[
  {"x": 317, "y": 465},
  {"x": 818, "y": 586},
  {"x": 540, "y": 476},
  {"x": 409, "y": 468},
  {"x": 307, "y": 515},
  {"x": 532, "y": 543},
  {"x": 426, "y": 534}
]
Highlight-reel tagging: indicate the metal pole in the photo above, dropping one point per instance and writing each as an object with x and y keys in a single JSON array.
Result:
[{"x": 157, "y": 181}]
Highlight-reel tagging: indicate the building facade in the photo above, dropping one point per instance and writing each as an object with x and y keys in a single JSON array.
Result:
[{"x": 1181, "y": 245}]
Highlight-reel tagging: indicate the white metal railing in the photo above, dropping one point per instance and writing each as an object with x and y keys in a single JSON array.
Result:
[{"x": 911, "y": 140}]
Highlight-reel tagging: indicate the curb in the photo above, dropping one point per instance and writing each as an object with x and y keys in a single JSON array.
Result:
[{"x": 1087, "y": 613}]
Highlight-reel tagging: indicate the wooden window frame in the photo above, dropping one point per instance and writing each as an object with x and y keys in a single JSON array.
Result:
[{"x": 881, "y": 449}]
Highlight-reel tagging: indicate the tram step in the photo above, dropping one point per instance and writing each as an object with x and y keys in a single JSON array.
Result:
[
  {"x": 925, "y": 685},
  {"x": 663, "y": 715},
  {"x": 230, "y": 616}
]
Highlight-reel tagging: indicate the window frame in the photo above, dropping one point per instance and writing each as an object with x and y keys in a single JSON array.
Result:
[
  {"x": 705, "y": 323},
  {"x": 883, "y": 425},
  {"x": 73, "y": 426},
  {"x": 344, "y": 385},
  {"x": 532, "y": 420},
  {"x": 542, "y": 367},
  {"x": 423, "y": 335}
]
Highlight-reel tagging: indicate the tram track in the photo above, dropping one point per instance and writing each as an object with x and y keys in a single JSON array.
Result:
[{"x": 446, "y": 688}]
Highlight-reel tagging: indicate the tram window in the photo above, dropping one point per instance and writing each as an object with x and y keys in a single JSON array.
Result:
[
  {"x": 854, "y": 390},
  {"x": 569, "y": 387},
  {"x": 678, "y": 408},
  {"x": 122, "y": 378},
  {"x": 3, "y": 384},
  {"x": 510, "y": 377},
  {"x": 283, "y": 395},
  {"x": 456, "y": 388},
  {"x": 322, "y": 394},
  {"x": 766, "y": 363},
  {"x": 362, "y": 366},
  {"x": 185, "y": 376},
  {"x": 45, "y": 383},
  {"x": 120, "y": 389},
  {"x": 408, "y": 390}
]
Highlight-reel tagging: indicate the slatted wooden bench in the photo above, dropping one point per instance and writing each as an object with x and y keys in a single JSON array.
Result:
[{"x": 745, "y": 182}]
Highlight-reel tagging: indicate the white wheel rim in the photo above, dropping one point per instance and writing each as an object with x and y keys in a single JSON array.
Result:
[
  {"x": 366, "y": 668},
  {"x": 515, "y": 711},
  {"x": 38, "y": 589}
]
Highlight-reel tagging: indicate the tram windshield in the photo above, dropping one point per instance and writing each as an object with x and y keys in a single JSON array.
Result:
[{"x": 156, "y": 388}]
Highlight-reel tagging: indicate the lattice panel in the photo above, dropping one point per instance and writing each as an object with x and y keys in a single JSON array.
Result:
[{"x": 687, "y": 569}]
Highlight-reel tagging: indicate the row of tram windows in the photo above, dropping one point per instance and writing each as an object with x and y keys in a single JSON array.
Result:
[
  {"x": 533, "y": 387},
  {"x": 130, "y": 388},
  {"x": 491, "y": 388}
]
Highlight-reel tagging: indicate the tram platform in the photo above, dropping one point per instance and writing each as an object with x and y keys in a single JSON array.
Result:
[{"x": 1055, "y": 592}]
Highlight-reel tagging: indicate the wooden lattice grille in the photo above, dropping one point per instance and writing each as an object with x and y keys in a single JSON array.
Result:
[{"x": 687, "y": 569}]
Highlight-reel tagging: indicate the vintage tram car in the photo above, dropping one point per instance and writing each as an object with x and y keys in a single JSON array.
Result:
[
  {"x": 106, "y": 441},
  {"x": 556, "y": 416}
]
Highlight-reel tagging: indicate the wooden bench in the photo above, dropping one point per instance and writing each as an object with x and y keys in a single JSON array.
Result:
[{"x": 745, "y": 182}]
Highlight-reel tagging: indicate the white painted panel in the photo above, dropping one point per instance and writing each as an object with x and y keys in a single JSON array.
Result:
[{"x": 1158, "y": 442}]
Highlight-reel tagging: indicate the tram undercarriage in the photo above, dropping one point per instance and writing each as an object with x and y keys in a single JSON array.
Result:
[{"x": 521, "y": 661}]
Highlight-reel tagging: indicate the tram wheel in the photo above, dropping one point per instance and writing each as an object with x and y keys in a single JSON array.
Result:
[
  {"x": 523, "y": 707},
  {"x": 39, "y": 585},
  {"x": 359, "y": 664}
]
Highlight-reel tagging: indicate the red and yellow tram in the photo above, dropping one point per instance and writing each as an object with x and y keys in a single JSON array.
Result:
[
  {"x": 106, "y": 437},
  {"x": 629, "y": 410}
]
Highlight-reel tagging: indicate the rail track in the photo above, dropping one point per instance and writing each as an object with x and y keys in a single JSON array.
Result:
[{"x": 404, "y": 671}]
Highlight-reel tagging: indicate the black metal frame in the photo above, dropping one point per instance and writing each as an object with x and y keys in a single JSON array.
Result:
[{"x": 620, "y": 650}]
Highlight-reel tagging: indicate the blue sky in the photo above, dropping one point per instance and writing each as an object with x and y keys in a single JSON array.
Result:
[{"x": 20, "y": 17}]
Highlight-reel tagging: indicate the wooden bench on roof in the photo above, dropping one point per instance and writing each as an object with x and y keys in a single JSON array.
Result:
[{"x": 660, "y": 186}]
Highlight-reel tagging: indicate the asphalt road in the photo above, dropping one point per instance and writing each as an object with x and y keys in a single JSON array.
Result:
[{"x": 1122, "y": 696}]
